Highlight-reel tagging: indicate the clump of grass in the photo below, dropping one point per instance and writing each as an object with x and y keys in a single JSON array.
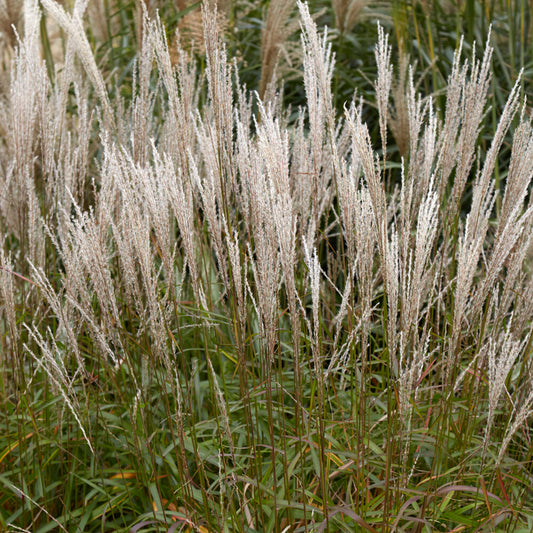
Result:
[{"x": 216, "y": 319}]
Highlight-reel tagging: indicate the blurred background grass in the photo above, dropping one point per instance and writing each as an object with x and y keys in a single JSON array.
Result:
[
  {"x": 428, "y": 32},
  {"x": 423, "y": 33}
]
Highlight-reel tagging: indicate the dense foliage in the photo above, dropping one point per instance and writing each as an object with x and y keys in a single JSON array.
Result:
[{"x": 265, "y": 266}]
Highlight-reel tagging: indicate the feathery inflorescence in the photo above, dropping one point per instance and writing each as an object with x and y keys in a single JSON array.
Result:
[{"x": 268, "y": 319}]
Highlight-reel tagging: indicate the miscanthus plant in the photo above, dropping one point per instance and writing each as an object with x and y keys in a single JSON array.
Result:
[{"x": 219, "y": 314}]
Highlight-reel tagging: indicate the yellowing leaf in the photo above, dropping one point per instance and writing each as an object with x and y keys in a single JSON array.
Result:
[{"x": 124, "y": 475}]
